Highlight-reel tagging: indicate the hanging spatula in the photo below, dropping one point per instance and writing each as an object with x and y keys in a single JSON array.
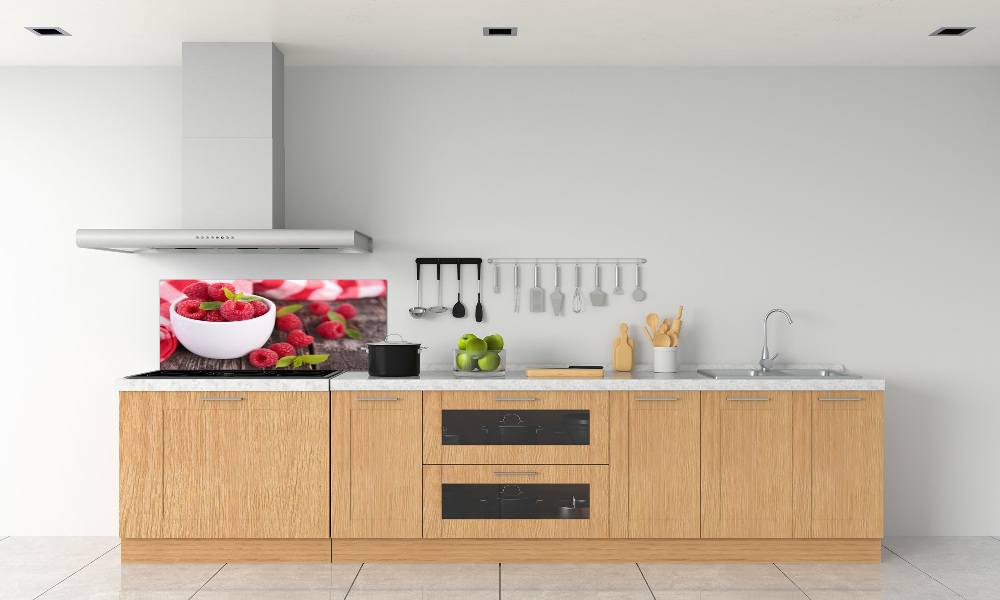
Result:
[
  {"x": 597, "y": 297},
  {"x": 536, "y": 295},
  {"x": 557, "y": 296}
]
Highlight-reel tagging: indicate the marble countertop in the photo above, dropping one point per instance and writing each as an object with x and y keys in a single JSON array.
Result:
[{"x": 640, "y": 379}]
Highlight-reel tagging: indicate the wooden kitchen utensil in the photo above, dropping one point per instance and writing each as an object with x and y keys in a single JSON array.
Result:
[
  {"x": 564, "y": 372},
  {"x": 676, "y": 325},
  {"x": 653, "y": 320},
  {"x": 661, "y": 339},
  {"x": 649, "y": 336},
  {"x": 623, "y": 349},
  {"x": 672, "y": 335}
]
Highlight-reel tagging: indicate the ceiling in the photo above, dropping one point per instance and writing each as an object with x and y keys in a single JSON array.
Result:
[{"x": 551, "y": 32}]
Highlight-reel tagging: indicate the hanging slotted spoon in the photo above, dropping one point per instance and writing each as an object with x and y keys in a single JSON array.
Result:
[
  {"x": 440, "y": 308},
  {"x": 577, "y": 295}
]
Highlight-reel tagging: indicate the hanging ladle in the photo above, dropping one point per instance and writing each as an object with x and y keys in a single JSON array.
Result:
[
  {"x": 418, "y": 311},
  {"x": 440, "y": 308}
]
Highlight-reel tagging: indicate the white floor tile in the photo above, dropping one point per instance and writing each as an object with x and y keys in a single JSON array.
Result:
[
  {"x": 676, "y": 577},
  {"x": 335, "y": 577},
  {"x": 166, "y": 577},
  {"x": 428, "y": 578},
  {"x": 929, "y": 553},
  {"x": 28, "y": 581},
  {"x": 623, "y": 579},
  {"x": 268, "y": 594},
  {"x": 70, "y": 551}
]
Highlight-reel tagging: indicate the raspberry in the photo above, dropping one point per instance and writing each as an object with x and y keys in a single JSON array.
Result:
[
  {"x": 262, "y": 357},
  {"x": 215, "y": 291},
  {"x": 347, "y": 311},
  {"x": 288, "y": 322},
  {"x": 214, "y": 316},
  {"x": 233, "y": 310},
  {"x": 299, "y": 339},
  {"x": 282, "y": 349},
  {"x": 259, "y": 308},
  {"x": 197, "y": 290},
  {"x": 331, "y": 329},
  {"x": 319, "y": 308},
  {"x": 191, "y": 309}
]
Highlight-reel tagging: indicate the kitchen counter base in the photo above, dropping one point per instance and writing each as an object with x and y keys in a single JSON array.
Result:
[
  {"x": 174, "y": 550},
  {"x": 502, "y": 550}
]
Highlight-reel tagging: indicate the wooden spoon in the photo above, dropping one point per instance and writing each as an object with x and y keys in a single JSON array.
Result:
[
  {"x": 653, "y": 320},
  {"x": 649, "y": 336},
  {"x": 661, "y": 339}
]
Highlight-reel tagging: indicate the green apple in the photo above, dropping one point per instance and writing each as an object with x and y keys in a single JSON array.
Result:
[
  {"x": 476, "y": 347},
  {"x": 490, "y": 362},
  {"x": 465, "y": 361},
  {"x": 462, "y": 341},
  {"x": 494, "y": 342}
]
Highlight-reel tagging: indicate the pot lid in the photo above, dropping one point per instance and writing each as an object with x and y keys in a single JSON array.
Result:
[{"x": 386, "y": 342}]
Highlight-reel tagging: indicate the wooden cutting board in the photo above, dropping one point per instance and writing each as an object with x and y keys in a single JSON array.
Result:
[{"x": 564, "y": 372}]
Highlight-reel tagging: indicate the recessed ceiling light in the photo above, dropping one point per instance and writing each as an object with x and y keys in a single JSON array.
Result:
[
  {"x": 47, "y": 31},
  {"x": 499, "y": 31},
  {"x": 952, "y": 31}
]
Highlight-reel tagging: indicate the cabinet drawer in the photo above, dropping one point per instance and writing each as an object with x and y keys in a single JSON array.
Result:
[
  {"x": 515, "y": 501},
  {"x": 516, "y": 427}
]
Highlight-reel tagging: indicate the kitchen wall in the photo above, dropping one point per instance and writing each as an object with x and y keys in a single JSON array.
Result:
[{"x": 863, "y": 201}]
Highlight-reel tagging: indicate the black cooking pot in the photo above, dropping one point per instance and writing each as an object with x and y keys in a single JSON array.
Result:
[
  {"x": 515, "y": 504},
  {"x": 512, "y": 432},
  {"x": 393, "y": 359}
]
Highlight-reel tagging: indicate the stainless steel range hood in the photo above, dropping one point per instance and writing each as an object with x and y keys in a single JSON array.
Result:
[{"x": 233, "y": 146}]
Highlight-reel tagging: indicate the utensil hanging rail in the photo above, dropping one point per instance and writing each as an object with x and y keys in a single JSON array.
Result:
[{"x": 567, "y": 261}]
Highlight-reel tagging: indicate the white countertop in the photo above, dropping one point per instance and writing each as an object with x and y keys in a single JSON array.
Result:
[{"x": 640, "y": 379}]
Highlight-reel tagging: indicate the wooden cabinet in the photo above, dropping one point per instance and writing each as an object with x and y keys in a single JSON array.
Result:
[
  {"x": 663, "y": 464},
  {"x": 225, "y": 464},
  {"x": 545, "y": 427},
  {"x": 746, "y": 465},
  {"x": 515, "y": 501},
  {"x": 375, "y": 465},
  {"x": 841, "y": 487}
]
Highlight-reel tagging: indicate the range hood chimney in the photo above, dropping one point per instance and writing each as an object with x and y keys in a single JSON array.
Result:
[{"x": 233, "y": 144}]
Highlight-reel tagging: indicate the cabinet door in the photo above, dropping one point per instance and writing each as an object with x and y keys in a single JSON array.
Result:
[
  {"x": 847, "y": 465},
  {"x": 746, "y": 457},
  {"x": 376, "y": 466},
  {"x": 489, "y": 428},
  {"x": 246, "y": 465},
  {"x": 140, "y": 464},
  {"x": 663, "y": 478}
]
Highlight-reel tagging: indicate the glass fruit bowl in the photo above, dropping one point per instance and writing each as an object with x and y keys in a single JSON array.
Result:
[{"x": 484, "y": 363}]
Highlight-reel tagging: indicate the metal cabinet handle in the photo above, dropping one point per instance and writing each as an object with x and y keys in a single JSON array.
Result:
[
  {"x": 743, "y": 399},
  {"x": 839, "y": 399},
  {"x": 514, "y": 473},
  {"x": 515, "y": 399},
  {"x": 377, "y": 399},
  {"x": 226, "y": 399},
  {"x": 656, "y": 399}
]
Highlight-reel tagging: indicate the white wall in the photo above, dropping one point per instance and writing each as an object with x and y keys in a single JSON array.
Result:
[{"x": 860, "y": 200}]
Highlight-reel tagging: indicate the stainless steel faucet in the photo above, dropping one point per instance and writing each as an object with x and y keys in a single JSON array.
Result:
[{"x": 766, "y": 360}]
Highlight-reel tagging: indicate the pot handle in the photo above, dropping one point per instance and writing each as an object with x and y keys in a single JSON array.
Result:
[{"x": 421, "y": 349}]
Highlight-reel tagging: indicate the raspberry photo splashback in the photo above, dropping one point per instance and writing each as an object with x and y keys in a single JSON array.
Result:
[{"x": 284, "y": 324}]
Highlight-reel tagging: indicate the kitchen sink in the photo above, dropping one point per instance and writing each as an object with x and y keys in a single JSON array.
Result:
[{"x": 777, "y": 374}]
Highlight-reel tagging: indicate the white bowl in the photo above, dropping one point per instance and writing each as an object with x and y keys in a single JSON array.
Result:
[{"x": 223, "y": 339}]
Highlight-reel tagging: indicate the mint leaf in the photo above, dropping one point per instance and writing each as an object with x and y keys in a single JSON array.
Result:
[
  {"x": 210, "y": 305},
  {"x": 288, "y": 310},
  {"x": 298, "y": 361},
  {"x": 230, "y": 295},
  {"x": 314, "y": 359},
  {"x": 243, "y": 298},
  {"x": 284, "y": 361},
  {"x": 335, "y": 316},
  {"x": 354, "y": 334}
]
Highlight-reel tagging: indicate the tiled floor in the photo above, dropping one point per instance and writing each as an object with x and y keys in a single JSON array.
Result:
[{"x": 912, "y": 569}]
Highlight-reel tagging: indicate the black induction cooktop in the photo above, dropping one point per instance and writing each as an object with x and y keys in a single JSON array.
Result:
[{"x": 217, "y": 374}]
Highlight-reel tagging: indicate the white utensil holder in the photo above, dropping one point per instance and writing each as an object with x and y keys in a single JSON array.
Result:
[{"x": 664, "y": 359}]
